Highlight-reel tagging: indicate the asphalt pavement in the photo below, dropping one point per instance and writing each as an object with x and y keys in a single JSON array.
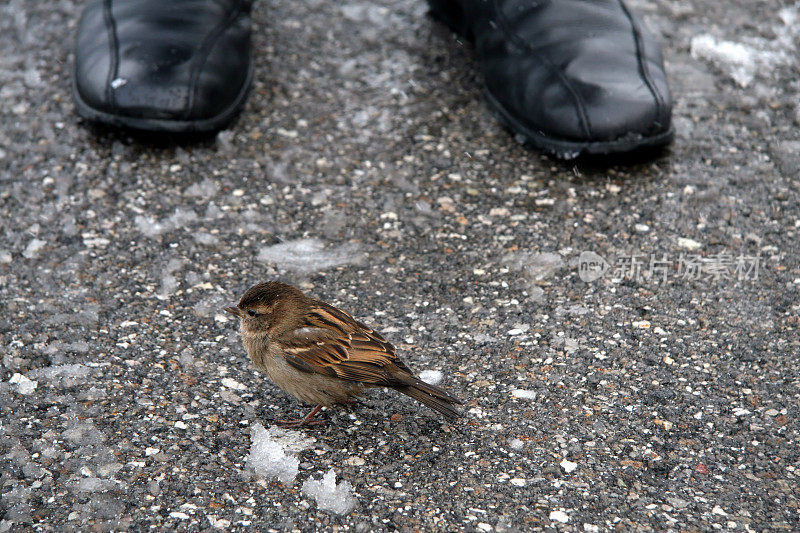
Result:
[{"x": 624, "y": 333}]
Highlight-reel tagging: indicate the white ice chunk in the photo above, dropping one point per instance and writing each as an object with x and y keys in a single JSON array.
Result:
[
  {"x": 268, "y": 459},
  {"x": 524, "y": 394},
  {"x": 689, "y": 244},
  {"x": 309, "y": 255},
  {"x": 330, "y": 496},
  {"x": 272, "y": 452},
  {"x": 24, "y": 385},
  {"x": 33, "y": 248},
  {"x": 431, "y": 377},
  {"x": 233, "y": 384},
  {"x": 518, "y": 329},
  {"x": 568, "y": 466}
]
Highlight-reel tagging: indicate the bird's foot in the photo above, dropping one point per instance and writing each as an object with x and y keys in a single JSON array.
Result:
[
  {"x": 307, "y": 420},
  {"x": 299, "y": 422}
]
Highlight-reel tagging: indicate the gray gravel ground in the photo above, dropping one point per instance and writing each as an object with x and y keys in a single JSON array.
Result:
[{"x": 641, "y": 403}]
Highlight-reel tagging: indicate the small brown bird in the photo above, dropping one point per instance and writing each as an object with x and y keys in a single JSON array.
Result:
[{"x": 320, "y": 354}]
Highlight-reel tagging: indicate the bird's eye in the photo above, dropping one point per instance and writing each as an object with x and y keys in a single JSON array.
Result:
[{"x": 251, "y": 312}]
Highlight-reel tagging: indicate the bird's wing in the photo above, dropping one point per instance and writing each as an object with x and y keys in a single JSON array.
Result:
[{"x": 333, "y": 343}]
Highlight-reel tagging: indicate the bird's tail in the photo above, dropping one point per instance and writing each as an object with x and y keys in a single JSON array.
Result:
[{"x": 434, "y": 397}]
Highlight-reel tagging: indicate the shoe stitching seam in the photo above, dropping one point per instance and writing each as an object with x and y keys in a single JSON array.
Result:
[
  {"x": 113, "y": 44},
  {"x": 522, "y": 43},
  {"x": 204, "y": 51},
  {"x": 643, "y": 70}
]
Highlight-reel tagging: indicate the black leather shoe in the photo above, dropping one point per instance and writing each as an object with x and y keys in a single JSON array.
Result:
[
  {"x": 569, "y": 77},
  {"x": 163, "y": 65}
]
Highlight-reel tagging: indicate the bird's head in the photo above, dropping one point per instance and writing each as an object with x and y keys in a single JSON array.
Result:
[{"x": 269, "y": 308}]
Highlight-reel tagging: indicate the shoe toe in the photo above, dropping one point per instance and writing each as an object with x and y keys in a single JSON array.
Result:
[
  {"x": 616, "y": 100},
  {"x": 593, "y": 98},
  {"x": 175, "y": 66},
  {"x": 575, "y": 75}
]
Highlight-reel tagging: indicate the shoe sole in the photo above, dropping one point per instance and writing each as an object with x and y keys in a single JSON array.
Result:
[
  {"x": 214, "y": 123},
  {"x": 566, "y": 149},
  {"x": 561, "y": 148}
]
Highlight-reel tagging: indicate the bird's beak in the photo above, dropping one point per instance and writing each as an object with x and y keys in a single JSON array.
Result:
[{"x": 232, "y": 309}]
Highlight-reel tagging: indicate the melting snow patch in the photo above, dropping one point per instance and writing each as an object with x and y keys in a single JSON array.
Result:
[
  {"x": 330, "y": 496},
  {"x": 93, "y": 484},
  {"x": 536, "y": 266},
  {"x": 204, "y": 189},
  {"x": 169, "y": 282},
  {"x": 83, "y": 433},
  {"x": 152, "y": 227},
  {"x": 309, "y": 255},
  {"x": 516, "y": 444},
  {"x": 268, "y": 456},
  {"x": 431, "y": 377},
  {"x": 743, "y": 61},
  {"x": 62, "y": 375}
]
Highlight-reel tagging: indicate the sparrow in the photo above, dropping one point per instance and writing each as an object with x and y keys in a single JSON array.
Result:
[{"x": 321, "y": 355}]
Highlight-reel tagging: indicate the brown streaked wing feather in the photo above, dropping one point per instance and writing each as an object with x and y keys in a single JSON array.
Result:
[
  {"x": 333, "y": 343},
  {"x": 317, "y": 347},
  {"x": 361, "y": 336},
  {"x": 326, "y": 316}
]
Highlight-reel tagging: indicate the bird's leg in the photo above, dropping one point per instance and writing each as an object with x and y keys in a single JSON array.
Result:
[{"x": 307, "y": 420}]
